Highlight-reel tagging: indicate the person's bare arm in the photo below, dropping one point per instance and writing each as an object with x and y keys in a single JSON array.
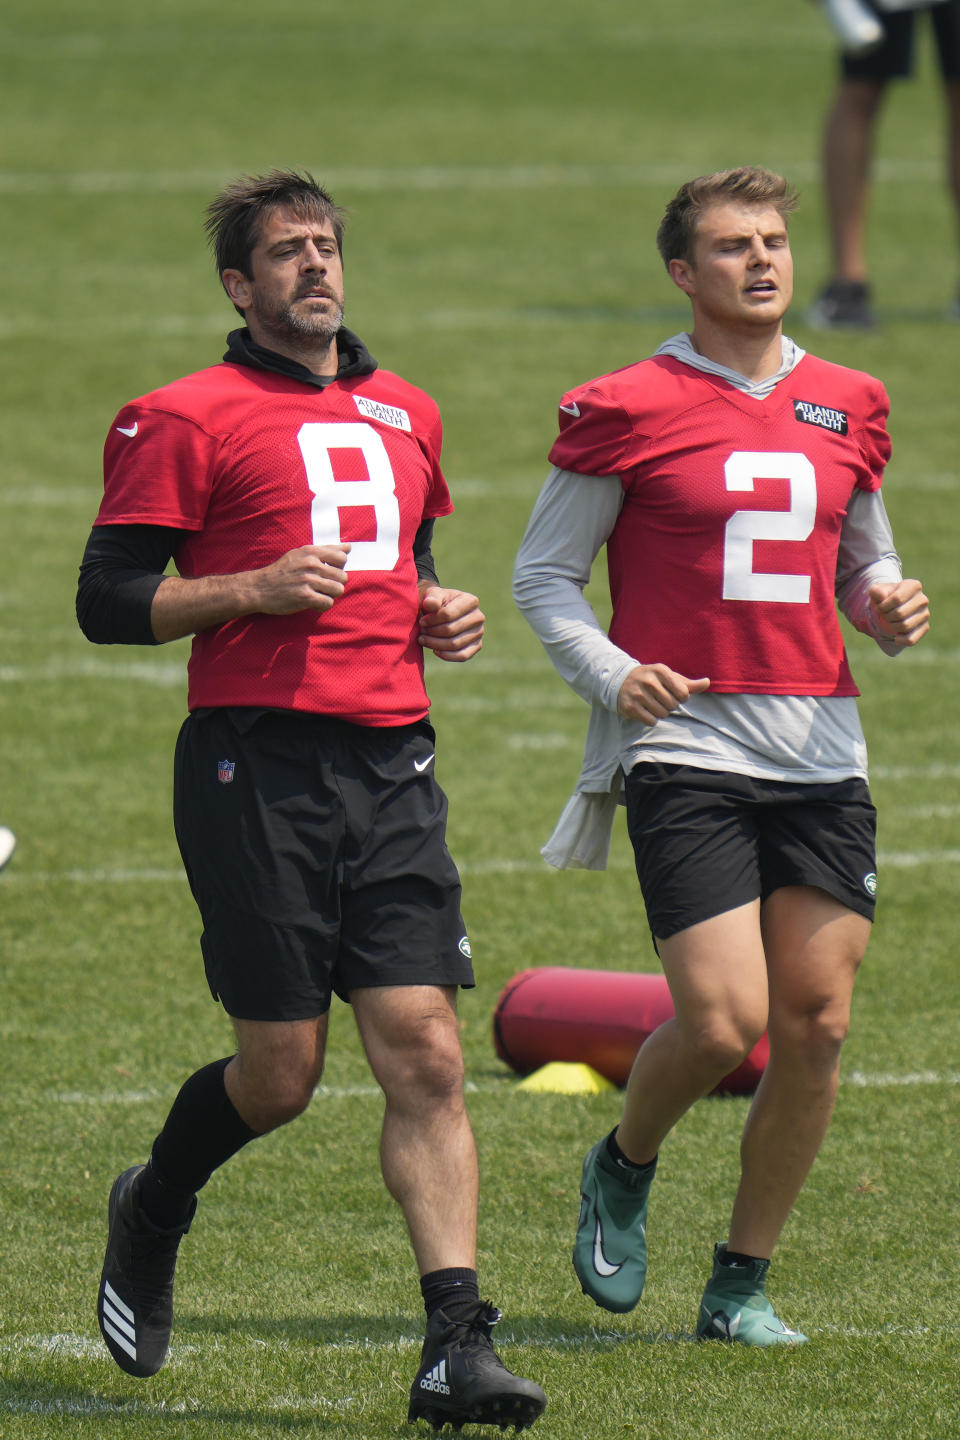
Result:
[{"x": 309, "y": 578}]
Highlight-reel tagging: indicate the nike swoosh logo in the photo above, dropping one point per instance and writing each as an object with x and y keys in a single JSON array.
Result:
[
  {"x": 132, "y": 430},
  {"x": 421, "y": 765},
  {"x": 572, "y": 409},
  {"x": 725, "y": 1326},
  {"x": 600, "y": 1262}
]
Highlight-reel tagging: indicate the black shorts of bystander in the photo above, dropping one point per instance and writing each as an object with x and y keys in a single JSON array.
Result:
[{"x": 893, "y": 58}]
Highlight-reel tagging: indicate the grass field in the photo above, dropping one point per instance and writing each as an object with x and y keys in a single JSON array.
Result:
[{"x": 505, "y": 167}]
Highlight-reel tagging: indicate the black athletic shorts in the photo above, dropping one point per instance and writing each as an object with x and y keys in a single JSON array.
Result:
[
  {"x": 892, "y": 59},
  {"x": 316, "y": 852},
  {"x": 708, "y": 841}
]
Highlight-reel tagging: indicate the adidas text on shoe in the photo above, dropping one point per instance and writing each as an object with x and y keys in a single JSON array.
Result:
[
  {"x": 735, "y": 1308},
  {"x": 135, "y": 1303},
  {"x": 462, "y": 1380},
  {"x": 610, "y": 1251}
]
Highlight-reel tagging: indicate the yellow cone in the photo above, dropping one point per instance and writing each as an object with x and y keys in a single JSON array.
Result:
[{"x": 561, "y": 1078}]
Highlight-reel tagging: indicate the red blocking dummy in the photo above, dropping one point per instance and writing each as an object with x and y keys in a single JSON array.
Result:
[{"x": 593, "y": 1017}]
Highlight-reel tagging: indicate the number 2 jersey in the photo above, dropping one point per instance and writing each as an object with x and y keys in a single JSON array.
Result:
[
  {"x": 723, "y": 559},
  {"x": 255, "y": 462}
]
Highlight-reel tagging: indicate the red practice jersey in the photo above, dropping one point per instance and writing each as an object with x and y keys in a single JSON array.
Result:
[
  {"x": 255, "y": 463},
  {"x": 723, "y": 559}
]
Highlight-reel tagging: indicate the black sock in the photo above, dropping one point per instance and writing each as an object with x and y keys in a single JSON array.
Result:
[
  {"x": 735, "y": 1257},
  {"x": 615, "y": 1153},
  {"x": 202, "y": 1131},
  {"x": 449, "y": 1291}
]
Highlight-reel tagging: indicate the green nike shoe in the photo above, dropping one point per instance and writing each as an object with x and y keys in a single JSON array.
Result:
[
  {"x": 610, "y": 1251},
  {"x": 734, "y": 1306}
]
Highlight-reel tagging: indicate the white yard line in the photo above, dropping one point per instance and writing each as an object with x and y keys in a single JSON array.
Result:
[
  {"x": 420, "y": 177},
  {"x": 161, "y": 875},
  {"x": 87, "y": 1347},
  {"x": 856, "y": 1079}
]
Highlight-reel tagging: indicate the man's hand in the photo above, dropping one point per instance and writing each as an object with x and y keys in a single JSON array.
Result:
[
  {"x": 310, "y": 578},
  {"x": 652, "y": 691},
  {"x": 900, "y": 612},
  {"x": 451, "y": 623}
]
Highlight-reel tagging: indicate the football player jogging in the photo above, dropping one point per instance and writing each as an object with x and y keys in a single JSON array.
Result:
[
  {"x": 295, "y": 486},
  {"x": 735, "y": 481}
]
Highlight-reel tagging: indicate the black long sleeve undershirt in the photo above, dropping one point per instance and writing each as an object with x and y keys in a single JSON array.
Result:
[{"x": 123, "y": 567}]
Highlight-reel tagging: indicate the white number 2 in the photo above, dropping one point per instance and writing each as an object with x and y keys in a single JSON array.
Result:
[
  {"x": 330, "y": 496},
  {"x": 740, "y": 580}
]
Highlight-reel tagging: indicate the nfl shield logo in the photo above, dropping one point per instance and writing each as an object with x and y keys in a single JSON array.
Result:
[{"x": 225, "y": 769}]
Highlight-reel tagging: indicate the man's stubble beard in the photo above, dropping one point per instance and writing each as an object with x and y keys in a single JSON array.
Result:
[{"x": 288, "y": 324}]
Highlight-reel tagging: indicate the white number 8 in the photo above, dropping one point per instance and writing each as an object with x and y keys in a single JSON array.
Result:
[
  {"x": 740, "y": 580},
  {"x": 378, "y": 492}
]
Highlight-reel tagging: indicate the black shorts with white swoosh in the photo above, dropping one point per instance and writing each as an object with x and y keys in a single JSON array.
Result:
[{"x": 316, "y": 853}]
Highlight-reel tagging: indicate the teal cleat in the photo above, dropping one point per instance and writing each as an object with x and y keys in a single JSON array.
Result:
[
  {"x": 610, "y": 1252},
  {"x": 735, "y": 1307}
]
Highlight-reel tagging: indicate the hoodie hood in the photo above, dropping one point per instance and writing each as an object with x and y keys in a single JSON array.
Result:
[{"x": 353, "y": 358}]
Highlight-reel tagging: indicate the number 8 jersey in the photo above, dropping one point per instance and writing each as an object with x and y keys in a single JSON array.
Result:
[
  {"x": 723, "y": 559},
  {"x": 255, "y": 463}
]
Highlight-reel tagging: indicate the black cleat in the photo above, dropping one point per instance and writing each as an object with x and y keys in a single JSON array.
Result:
[
  {"x": 462, "y": 1380},
  {"x": 135, "y": 1304}
]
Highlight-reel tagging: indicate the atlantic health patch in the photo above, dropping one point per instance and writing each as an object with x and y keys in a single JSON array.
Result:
[{"x": 822, "y": 415}]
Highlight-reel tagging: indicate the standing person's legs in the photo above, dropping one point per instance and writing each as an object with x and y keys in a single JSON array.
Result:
[
  {"x": 952, "y": 98},
  {"x": 945, "y": 18},
  {"x": 948, "y": 35},
  {"x": 847, "y": 159}
]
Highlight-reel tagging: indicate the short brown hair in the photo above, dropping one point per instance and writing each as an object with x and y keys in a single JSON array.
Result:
[
  {"x": 233, "y": 220},
  {"x": 748, "y": 184}
]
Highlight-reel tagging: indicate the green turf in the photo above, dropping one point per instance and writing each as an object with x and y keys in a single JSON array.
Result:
[{"x": 505, "y": 167}]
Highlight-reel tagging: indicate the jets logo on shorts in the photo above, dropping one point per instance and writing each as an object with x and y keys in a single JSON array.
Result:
[
  {"x": 464, "y": 947},
  {"x": 869, "y": 883}
]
